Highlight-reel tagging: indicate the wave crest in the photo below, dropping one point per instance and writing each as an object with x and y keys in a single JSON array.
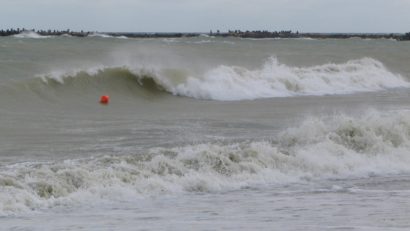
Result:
[
  {"x": 30, "y": 34},
  {"x": 279, "y": 80},
  {"x": 320, "y": 148},
  {"x": 228, "y": 83}
]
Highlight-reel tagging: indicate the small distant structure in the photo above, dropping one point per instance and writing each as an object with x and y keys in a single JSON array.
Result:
[{"x": 406, "y": 37}]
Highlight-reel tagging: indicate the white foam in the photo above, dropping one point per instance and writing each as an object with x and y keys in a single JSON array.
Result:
[
  {"x": 66, "y": 35},
  {"x": 279, "y": 80},
  {"x": 61, "y": 75},
  {"x": 30, "y": 34},
  {"x": 320, "y": 148},
  {"x": 202, "y": 41},
  {"x": 100, "y": 35},
  {"x": 171, "y": 40},
  {"x": 273, "y": 79}
]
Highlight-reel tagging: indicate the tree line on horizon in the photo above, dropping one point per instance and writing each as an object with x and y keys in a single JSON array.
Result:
[{"x": 230, "y": 33}]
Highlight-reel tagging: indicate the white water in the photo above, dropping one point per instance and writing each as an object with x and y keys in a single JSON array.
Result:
[
  {"x": 232, "y": 83},
  {"x": 279, "y": 80},
  {"x": 334, "y": 147},
  {"x": 30, "y": 34}
]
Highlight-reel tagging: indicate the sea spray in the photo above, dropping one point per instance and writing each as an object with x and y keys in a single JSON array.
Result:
[
  {"x": 278, "y": 80},
  {"x": 273, "y": 79},
  {"x": 31, "y": 35},
  {"x": 338, "y": 146}
]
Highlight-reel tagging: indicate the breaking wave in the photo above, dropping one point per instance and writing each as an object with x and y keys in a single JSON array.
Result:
[
  {"x": 320, "y": 148},
  {"x": 228, "y": 83},
  {"x": 101, "y": 35},
  {"x": 30, "y": 34},
  {"x": 279, "y": 80}
]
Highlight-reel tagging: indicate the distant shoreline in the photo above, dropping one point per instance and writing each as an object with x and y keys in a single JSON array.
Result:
[{"x": 236, "y": 33}]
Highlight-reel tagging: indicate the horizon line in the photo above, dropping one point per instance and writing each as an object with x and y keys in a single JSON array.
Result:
[{"x": 197, "y": 32}]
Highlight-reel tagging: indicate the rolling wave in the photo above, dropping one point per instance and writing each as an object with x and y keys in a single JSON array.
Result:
[
  {"x": 31, "y": 35},
  {"x": 229, "y": 83},
  {"x": 279, "y": 80},
  {"x": 320, "y": 148}
]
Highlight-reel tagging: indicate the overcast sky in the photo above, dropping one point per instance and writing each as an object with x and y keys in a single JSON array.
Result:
[{"x": 205, "y": 15}]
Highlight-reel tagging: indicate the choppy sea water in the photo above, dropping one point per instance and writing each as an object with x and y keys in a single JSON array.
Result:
[{"x": 204, "y": 134}]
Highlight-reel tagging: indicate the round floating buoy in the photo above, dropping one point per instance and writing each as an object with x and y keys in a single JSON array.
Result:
[{"x": 105, "y": 99}]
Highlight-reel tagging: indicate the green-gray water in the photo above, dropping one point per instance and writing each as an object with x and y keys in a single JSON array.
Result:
[{"x": 204, "y": 133}]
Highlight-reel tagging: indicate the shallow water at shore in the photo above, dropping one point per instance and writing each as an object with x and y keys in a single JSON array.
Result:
[{"x": 378, "y": 203}]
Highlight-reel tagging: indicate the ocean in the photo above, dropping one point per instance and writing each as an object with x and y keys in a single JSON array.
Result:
[{"x": 204, "y": 133}]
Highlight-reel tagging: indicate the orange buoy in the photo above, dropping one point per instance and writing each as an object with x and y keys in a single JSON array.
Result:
[{"x": 105, "y": 99}]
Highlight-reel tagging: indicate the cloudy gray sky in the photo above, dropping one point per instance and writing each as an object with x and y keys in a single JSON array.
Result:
[{"x": 204, "y": 15}]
